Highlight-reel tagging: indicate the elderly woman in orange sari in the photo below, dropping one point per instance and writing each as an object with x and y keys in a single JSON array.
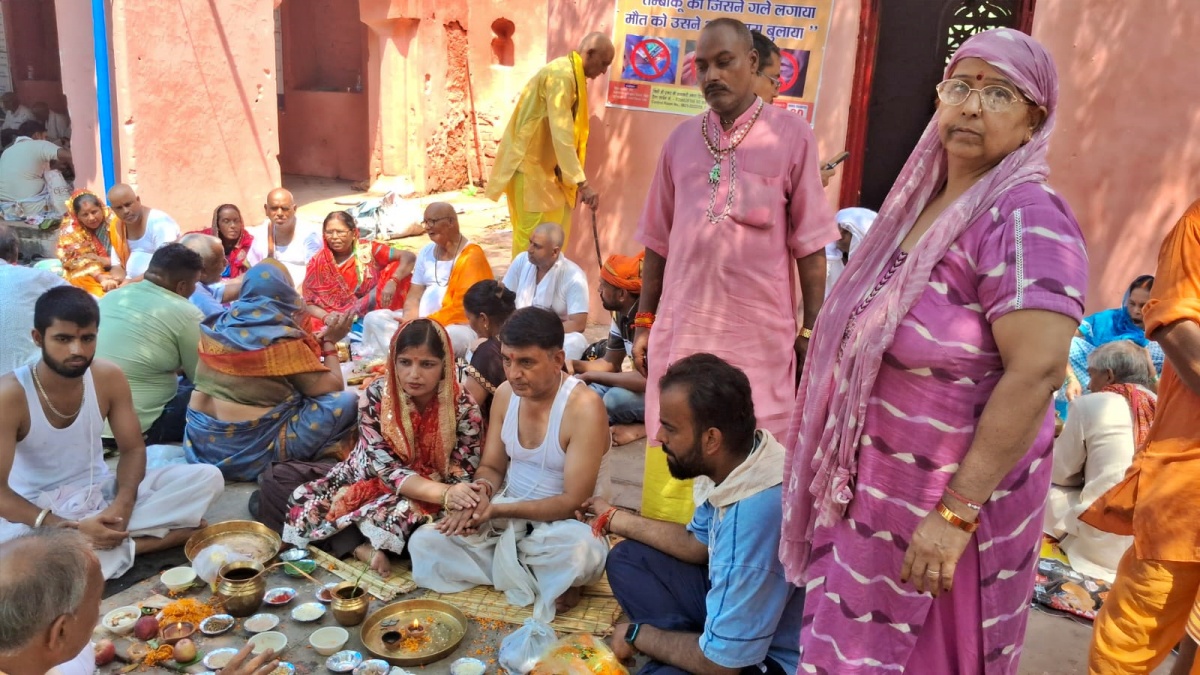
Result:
[
  {"x": 229, "y": 227},
  {"x": 349, "y": 276},
  {"x": 91, "y": 245}
]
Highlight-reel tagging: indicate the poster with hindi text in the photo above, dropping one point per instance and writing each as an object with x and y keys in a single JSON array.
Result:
[{"x": 656, "y": 44}]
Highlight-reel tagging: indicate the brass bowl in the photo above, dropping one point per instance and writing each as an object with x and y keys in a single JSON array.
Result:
[
  {"x": 349, "y": 611},
  {"x": 242, "y": 597},
  {"x": 256, "y": 540}
]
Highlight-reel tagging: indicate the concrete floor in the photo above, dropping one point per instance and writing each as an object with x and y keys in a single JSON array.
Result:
[{"x": 1053, "y": 645}]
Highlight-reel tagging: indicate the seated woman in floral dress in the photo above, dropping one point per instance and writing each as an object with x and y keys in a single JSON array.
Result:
[{"x": 419, "y": 445}]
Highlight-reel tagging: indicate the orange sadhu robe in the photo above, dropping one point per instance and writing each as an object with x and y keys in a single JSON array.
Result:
[
  {"x": 471, "y": 266},
  {"x": 1158, "y": 502}
]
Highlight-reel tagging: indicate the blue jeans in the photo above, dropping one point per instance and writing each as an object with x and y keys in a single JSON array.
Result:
[
  {"x": 665, "y": 592},
  {"x": 623, "y": 406},
  {"x": 168, "y": 428}
]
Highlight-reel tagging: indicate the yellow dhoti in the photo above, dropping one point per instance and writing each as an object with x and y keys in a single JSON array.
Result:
[{"x": 525, "y": 222}]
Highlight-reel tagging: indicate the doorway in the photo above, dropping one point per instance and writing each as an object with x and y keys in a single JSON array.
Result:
[
  {"x": 323, "y": 127},
  {"x": 904, "y": 48}
]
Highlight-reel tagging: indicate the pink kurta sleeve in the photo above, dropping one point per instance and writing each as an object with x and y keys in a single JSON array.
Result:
[
  {"x": 654, "y": 227},
  {"x": 811, "y": 223},
  {"x": 1032, "y": 257}
]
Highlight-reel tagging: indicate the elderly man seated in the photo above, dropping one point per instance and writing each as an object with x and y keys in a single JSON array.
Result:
[
  {"x": 146, "y": 229},
  {"x": 284, "y": 237},
  {"x": 624, "y": 391},
  {"x": 710, "y": 597},
  {"x": 543, "y": 277},
  {"x": 151, "y": 331},
  {"x": 212, "y": 293},
  {"x": 445, "y": 270},
  {"x": 50, "y": 594},
  {"x": 545, "y": 443},
  {"x": 29, "y": 176},
  {"x": 20, "y": 287},
  {"x": 52, "y": 470},
  {"x": 15, "y": 114},
  {"x": 1096, "y": 446}
]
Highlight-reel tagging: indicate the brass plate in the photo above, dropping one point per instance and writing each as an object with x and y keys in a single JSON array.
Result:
[
  {"x": 446, "y": 625},
  {"x": 242, "y": 536}
]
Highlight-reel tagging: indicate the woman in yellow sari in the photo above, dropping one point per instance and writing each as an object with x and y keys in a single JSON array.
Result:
[{"x": 91, "y": 245}]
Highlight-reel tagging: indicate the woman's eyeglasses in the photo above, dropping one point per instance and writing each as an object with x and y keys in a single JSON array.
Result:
[
  {"x": 775, "y": 82},
  {"x": 993, "y": 98}
]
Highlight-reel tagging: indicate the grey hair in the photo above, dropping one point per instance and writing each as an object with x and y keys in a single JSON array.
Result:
[
  {"x": 1129, "y": 363},
  {"x": 46, "y": 576}
]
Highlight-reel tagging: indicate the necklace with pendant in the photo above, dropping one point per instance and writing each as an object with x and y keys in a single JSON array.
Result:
[{"x": 719, "y": 154}]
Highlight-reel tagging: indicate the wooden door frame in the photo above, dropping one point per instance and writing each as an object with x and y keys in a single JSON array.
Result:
[{"x": 860, "y": 98}]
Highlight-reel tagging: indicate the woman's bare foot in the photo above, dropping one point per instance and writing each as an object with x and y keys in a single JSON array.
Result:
[
  {"x": 567, "y": 601},
  {"x": 378, "y": 560},
  {"x": 624, "y": 434}
]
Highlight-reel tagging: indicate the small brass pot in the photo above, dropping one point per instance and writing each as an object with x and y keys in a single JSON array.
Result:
[
  {"x": 349, "y": 611},
  {"x": 242, "y": 596}
]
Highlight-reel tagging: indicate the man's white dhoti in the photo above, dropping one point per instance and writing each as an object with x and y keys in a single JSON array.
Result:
[
  {"x": 170, "y": 498},
  {"x": 530, "y": 567}
]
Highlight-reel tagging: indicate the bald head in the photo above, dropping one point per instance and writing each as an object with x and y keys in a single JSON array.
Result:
[
  {"x": 545, "y": 245},
  {"x": 441, "y": 211},
  {"x": 49, "y": 594},
  {"x": 125, "y": 203},
  {"x": 281, "y": 208},
  {"x": 441, "y": 225},
  {"x": 598, "y": 53},
  {"x": 212, "y": 253}
]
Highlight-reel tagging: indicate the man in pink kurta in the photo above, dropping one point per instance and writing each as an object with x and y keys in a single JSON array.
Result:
[{"x": 728, "y": 251}]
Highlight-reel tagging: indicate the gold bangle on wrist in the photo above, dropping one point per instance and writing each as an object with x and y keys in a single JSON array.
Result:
[
  {"x": 805, "y": 333},
  {"x": 954, "y": 519}
]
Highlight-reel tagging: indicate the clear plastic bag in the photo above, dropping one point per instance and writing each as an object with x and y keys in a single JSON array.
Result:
[
  {"x": 521, "y": 651},
  {"x": 209, "y": 561},
  {"x": 579, "y": 655},
  {"x": 378, "y": 328}
]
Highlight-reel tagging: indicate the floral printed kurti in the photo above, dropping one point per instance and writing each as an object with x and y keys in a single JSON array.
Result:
[{"x": 324, "y": 507}]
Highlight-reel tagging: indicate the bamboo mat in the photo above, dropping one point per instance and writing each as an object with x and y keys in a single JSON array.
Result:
[
  {"x": 385, "y": 589},
  {"x": 596, "y": 612}
]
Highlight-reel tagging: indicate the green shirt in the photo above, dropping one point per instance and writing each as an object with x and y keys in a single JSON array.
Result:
[{"x": 152, "y": 334}]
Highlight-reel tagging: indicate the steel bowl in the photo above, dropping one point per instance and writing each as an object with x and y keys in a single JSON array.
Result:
[
  {"x": 219, "y": 658},
  {"x": 263, "y": 623},
  {"x": 373, "y": 667},
  {"x": 294, "y": 554},
  {"x": 308, "y": 612},
  {"x": 212, "y": 625},
  {"x": 344, "y": 661},
  {"x": 279, "y": 596}
]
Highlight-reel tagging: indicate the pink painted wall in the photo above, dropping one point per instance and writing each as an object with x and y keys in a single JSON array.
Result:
[
  {"x": 195, "y": 104},
  {"x": 78, "y": 69},
  {"x": 1126, "y": 150},
  {"x": 624, "y": 145}
]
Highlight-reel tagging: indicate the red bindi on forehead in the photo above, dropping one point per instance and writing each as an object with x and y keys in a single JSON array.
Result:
[{"x": 979, "y": 76}]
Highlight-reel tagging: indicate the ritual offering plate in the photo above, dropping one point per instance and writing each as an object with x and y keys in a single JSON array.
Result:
[
  {"x": 261, "y": 623},
  {"x": 284, "y": 668},
  {"x": 216, "y": 624},
  {"x": 279, "y": 596},
  {"x": 344, "y": 661},
  {"x": 373, "y": 667},
  {"x": 309, "y": 611},
  {"x": 293, "y": 554},
  {"x": 325, "y": 593},
  {"x": 219, "y": 658},
  {"x": 468, "y": 666},
  {"x": 247, "y": 537},
  {"x": 414, "y": 632}
]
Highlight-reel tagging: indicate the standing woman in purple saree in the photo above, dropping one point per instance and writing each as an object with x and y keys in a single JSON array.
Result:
[{"x": 919, "y": 456}]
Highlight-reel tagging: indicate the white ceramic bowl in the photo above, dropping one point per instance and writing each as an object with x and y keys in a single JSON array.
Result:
[
  {"x": 179, "y": 579},
  {"x": 129, "y": 616},
  {"x": 268, "y": 640},
  {"x": 329, "y": 640}
]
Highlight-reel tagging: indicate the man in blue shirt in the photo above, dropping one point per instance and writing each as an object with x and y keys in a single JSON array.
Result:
[{"x": 710, "y": 597}]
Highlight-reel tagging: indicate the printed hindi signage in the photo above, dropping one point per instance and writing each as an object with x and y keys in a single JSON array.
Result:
[{"x": 656, "y": 39}]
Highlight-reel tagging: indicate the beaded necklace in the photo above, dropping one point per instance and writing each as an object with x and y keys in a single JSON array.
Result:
[{"x": 719, "y": 154}]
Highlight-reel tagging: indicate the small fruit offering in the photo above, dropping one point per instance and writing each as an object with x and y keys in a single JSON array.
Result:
[
  {"x": 146, "y": 628},
  {"x": 185, "y": 651},
  {"x": 106, "y": 651}
]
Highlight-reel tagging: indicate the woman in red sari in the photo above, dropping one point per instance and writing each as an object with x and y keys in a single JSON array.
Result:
[
  {"x": 231, "y": 230},
  {"x": 349, "y": 276}
]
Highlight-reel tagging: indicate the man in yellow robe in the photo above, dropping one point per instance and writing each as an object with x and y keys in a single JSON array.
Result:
[{"x": 539, "y": 164}]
